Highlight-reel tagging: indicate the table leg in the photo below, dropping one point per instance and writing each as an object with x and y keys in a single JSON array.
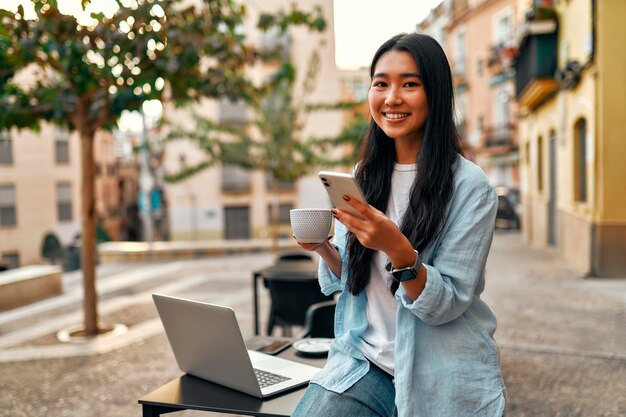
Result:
[
  {"x": 156, "y": 411},
  {"x": 255, "y": 276}
]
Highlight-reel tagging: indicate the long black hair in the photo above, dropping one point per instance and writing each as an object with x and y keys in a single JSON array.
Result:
[{"x": 433, "y": 186}]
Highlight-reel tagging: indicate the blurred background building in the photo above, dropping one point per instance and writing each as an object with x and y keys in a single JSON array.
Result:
[
  {"x": 540, "y": 92},
  {"x": 229, "y": 202},
  {"x": 40, "y": 191},
  {"x": 571, "y": 89},
  {"x": 540, "y": 96}
]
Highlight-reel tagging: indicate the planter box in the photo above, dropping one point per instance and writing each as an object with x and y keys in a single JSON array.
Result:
[{"x": 27, "y": 284}]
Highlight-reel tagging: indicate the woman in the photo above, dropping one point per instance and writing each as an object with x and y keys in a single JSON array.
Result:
[{"x": 413, "y": 337}]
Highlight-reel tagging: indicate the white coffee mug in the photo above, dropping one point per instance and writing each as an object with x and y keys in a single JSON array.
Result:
[{"x": 311, "y": 225}]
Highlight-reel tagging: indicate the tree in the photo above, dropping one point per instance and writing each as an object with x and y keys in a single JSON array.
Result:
[
  {"x": 85, "y": 74},
  {"x": 279, "y": 147},
  {"x": 51, "y": 248}
]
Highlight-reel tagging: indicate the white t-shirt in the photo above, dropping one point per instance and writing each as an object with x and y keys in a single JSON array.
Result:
[{"x": 378, "y": 340}]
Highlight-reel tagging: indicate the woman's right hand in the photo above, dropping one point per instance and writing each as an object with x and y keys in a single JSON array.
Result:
[
  {"x": 327, "y": 252},
  {"x": 314, "y": 246}
]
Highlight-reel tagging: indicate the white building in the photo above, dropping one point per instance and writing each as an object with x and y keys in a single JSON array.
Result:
[{"x": 229, "y": 202}]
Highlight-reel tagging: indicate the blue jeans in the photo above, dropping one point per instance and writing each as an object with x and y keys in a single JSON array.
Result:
[{"x": 372, "y": 396}]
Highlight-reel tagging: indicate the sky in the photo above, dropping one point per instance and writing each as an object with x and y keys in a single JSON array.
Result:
[{"x": 361, "y": 26}]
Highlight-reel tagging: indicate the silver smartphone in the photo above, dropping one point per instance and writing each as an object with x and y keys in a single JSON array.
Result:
[{"x": 337, "y": 185}]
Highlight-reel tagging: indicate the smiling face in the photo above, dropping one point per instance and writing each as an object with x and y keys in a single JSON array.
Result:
[{"x": 397, "y": 99}]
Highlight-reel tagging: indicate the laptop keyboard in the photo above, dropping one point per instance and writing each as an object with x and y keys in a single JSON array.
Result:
[{"x": 267, "y": 378}]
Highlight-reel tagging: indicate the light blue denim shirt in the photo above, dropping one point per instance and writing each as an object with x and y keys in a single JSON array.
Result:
[{"x": 446, "y": 360}]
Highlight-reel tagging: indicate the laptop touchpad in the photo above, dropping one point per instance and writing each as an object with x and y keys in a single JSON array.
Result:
[{"x": 273, "y": 365}]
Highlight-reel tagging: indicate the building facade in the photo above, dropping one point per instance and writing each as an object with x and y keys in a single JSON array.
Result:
[
  {"x": 437, "y": 23},
  {"x": 479, "y": 42},
  {"x": 571, "y": 89},
  {"x": 40, "y": 191},
  {"x": 228, "y": 202}
]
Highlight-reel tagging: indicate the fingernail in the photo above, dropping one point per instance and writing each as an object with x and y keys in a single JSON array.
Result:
[{"x": 347, "y": 198}]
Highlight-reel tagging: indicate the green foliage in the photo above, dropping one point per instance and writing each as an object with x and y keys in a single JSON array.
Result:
[
  {"x": 83, "y": 75},
  {"x": 51, "y": 247},
  {"x": 101, "y": 234},
  {"x": 86, "y": 75},
  {"x": 279, "y": 148},
  {"x": 282, "y": 20}
]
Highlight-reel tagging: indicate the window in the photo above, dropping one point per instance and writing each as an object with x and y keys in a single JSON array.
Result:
[
  {"x": 8, "y": 214},
  {"x": 274, "y": 40},
  {"x": 503, "y": 27},
  {"x": 479, "y": 66},
  {"x": 6, "y": 147},
  {"x": 61, "y": 146},
  {"x": 10, "y": 260},
  {"x": 234, "y": 113},
  {"x": 283, "y": 213},
  {"x": 459, "y": 55},
  {"x": 237, "y": 222},
  {"x": 540, "y": 164},
  {"x": 501, "y": 105},
  {"x": 580, "y": 160},
  {"x": 235, "y": 178},
  {"x": 64, "y": 202},
  {"x": 283, "y": 185}
]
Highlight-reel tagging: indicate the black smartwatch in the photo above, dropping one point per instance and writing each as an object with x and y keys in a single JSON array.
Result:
[{"x": 408, "y": 273}]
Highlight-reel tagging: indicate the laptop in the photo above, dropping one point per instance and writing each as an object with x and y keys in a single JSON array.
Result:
[{"x": 207, "y": 343}]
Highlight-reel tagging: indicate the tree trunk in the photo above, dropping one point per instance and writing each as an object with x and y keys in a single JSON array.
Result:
[{"x": 88, "y": 215}]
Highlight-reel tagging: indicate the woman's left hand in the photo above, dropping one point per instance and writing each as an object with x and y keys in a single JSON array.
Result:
[{"x": 375, "y": 230}]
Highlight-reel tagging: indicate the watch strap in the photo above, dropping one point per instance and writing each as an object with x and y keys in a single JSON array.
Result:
[{"x": 408, "y": 273}]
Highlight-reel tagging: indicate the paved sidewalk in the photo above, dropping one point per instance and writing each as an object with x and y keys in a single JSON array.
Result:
[{"x": 562, "y": 337}]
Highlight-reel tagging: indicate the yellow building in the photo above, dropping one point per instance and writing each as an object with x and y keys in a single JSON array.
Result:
[{"x": 571, "y": 91}]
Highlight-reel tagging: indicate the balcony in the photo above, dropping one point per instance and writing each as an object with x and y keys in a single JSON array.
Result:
[
  {"x": 280, "y": 186},
  {"x": 233, "y": 113},
  {"x": 499, "y": 138},
  {"x": 500, "y": 58},
  {"x": 536, "y": 63},
  {"x": 235, "y": 179},
  {"x": 459, "y": 74}
]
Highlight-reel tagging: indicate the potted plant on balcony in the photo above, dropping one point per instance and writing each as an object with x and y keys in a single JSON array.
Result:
[{"x": 540, "y": 20}]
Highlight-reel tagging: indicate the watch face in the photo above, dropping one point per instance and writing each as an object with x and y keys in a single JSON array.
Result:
[{"x": 405, "y": 275}]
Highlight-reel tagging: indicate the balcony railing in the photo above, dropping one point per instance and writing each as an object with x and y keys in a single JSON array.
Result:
[
  {"x": 536, "y": 63},
  {"x": 500, "y": 136},
  {"x": 235, "y": 179},
  {"x": 501, "y": 57}
]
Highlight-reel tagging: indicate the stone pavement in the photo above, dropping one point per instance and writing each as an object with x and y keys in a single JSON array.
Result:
[{"x": 562, "y": 337}]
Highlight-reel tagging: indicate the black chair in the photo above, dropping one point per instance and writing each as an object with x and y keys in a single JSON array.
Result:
[
  {"x": 295, "y": 256},
  {"x": 290, "y": 301},
  {"x": 319, "y": 320}
]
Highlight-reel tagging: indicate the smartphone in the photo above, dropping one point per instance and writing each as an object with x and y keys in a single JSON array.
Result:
[
  {"x": 337, "y": 185},
  {"x": 269, "y": 345}
]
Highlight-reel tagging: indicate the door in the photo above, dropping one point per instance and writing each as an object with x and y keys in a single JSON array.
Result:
[{"x": 237, "y": 222}]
